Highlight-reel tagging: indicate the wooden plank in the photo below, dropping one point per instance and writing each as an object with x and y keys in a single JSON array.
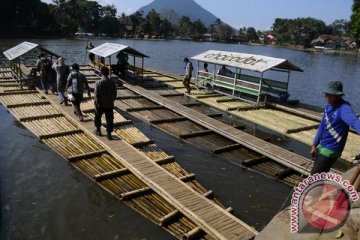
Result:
[
  {"x": 120, "y": 124},
  {"x": 306, "y": 128},
  {"x": 172, "y": 95},
  {"x": 227, "y": 100},
  {"x": 215, "y": 95},
  {"x": 86, "y": 156},
  {"x": 129, "y": 97},
  {"x": 165, "y": 160},
  {"x": 33, "y": 118},
  {"x": 228, "y": 148},
  {"x": 60, "y": 134},
  {"x": 195, "y": 233},
  {"x": 168, "y": 120},
  {"x": 27, "y": 104},
  {"x": 195, "y": 104},
  {"x": 20, "y": 92},
  {"x": 142, "y": 144},
  {"x": 254, "y": 161},
  {"x": 247, "y": 108},
  {"x": 196, "y": 134},
  {"x": 285, "y": 173},
  {"x": 139, "y": 109}
]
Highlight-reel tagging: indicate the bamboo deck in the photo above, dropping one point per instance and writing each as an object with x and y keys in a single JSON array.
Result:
[
  {"x": 146, "y": 179},
  {"x": 293, "y": 123},
  {"x": 278, "y": 154}
]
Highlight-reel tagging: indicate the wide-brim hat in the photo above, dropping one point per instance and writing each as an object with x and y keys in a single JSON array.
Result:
[{"x": 334, "y": 88}]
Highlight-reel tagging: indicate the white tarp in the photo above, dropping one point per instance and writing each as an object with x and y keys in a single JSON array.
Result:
[
  {"x": 19, "y": 50},
  {"x": 108, "y": 49},
  {"x": 251, "y": 62}
]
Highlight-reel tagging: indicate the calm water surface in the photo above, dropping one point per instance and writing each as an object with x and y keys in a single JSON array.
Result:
[{"x": 44, "y": 198}]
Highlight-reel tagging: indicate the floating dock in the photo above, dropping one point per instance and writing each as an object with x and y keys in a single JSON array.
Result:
[
  {"x": 296, "y": 123},
  {"x": 131, "y": 168}
]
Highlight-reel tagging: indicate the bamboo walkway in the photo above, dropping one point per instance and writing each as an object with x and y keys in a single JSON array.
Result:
[{"x": 125, "y": 171}]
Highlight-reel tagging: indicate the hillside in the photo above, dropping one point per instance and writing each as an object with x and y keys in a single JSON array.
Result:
[{"x": 173, "y": 10}]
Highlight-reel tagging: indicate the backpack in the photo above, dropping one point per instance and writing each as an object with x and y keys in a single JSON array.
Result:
[{"x": 45, "y": 66}]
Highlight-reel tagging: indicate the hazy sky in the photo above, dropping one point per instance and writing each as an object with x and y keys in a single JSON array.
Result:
[{"x": 256, "y": 13}]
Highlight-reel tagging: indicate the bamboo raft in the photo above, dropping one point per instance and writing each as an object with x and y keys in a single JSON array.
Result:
[
  {"x": 280, "y": 155},
  {"x": 298, "y": 125},
  {"x": 131, "y": 168}
]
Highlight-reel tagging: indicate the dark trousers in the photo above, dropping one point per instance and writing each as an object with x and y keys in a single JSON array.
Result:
[
  {"x": 322, "y": 163},
  {"x": 186, "y": 83},
  {"x": 78, "y": 98},
  {"x": 109, "y": 115}
]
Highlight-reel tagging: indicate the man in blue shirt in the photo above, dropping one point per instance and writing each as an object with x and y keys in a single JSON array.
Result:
[{"x": 332, "y": 133}]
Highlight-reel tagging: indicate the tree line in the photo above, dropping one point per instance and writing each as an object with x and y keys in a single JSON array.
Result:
[{"x": 65, "y": 17}]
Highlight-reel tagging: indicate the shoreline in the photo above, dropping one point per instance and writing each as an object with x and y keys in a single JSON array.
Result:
[{"x": 292, "y": 47}]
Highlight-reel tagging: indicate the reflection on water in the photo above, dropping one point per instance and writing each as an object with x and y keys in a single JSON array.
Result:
[{"x": 167, "y": 56}]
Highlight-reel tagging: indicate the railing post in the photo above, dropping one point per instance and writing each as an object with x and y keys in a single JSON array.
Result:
[
  {"x": 235, "y": 81},
  {"x": 259, "y": 92}
]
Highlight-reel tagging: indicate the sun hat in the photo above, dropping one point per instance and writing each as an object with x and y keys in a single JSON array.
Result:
[{"x": 334, "y": 88}]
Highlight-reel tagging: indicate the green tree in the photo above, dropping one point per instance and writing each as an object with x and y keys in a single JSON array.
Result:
[
  {"x": 136, "y": 19},
  {"x": 251, "y": 34},
  {"x": 153, "y": 22},
  {"x": 110, "y": 25},
  {"x": 340, "y": 27},
  {"x": 26, "y": 17},
  {"x": 199, "y": 27},
  {"x": 355, "y": 20},
  {"x": 166, "y": 28},
  {"x": 299, "y": 31},
  {"x": 185, "y": 26}
]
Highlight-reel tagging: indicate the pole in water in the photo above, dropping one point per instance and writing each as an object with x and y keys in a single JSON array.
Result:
[{"x": 86, "y": 50}]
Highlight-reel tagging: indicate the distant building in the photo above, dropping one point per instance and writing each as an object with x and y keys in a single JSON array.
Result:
[{"x": 333, "y": 42}]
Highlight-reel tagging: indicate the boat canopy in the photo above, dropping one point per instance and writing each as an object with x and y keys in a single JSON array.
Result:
[
  {"x": 108, "y": 49},
  {"x": 14, "y": 54},
  {"x": 19, "y": 50},
  {"x": 23, "y": 48},
  {"x": 252, "y": 62}
]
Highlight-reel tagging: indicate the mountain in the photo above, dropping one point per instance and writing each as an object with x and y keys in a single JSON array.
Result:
[{"x": 174, "y": 9}]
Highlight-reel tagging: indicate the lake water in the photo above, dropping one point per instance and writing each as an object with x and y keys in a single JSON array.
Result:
[
  {"x": 167, "y": 56},
  {"x": 42, "y": 197}
]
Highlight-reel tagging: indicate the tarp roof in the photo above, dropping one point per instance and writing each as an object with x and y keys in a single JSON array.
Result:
[
  {"x": 19, "y": 50},
  {"x": 251, "y": 62},
  {"x": 108, "y": 49}
]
